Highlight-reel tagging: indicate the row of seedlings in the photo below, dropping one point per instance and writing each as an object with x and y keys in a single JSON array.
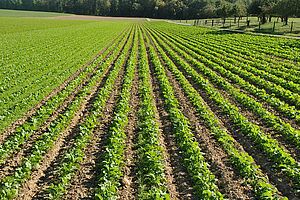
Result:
[
  {"x": 204, "y": 182},
  {"x": 243, "y": 163},
  {"x": 24, "y": 131},
  {"x": 151, "y": 179},
  {"x": 285, "y": 129},
  {"x": 10, "y": 185},
  {"x": 112, "y": 159},
  {"x": 281, "y": 160},
  {"x": 70, "y": 163}
]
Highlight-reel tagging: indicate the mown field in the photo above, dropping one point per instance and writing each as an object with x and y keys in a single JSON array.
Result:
[{"x": 146, "y": 110}]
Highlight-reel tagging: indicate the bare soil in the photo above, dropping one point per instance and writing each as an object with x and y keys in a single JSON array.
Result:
[
  {"x": 40, "y": 178},
  {"x": 85, "y": 180},
  {"x": 229, "y": 183},
  {"x": 180, "y": 185},
  {"x": 15, "y": 159},
  {"x": 128, "y": 188}
]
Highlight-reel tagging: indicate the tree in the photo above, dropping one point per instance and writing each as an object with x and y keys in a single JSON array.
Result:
[
  {"x": 224, "y": 9},
  {"x": 287, "y": 8},
  {"x": 102, "y": 7},
  {"x": 263, "y": 8},
  {"x": 239, "y": 9}
]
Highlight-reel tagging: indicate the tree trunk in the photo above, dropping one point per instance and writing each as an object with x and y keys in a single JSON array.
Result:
[
  {"x": 286, "y": 18},
  {"x": 270, "y": 18},
  {"x": 263, "y": 19}
]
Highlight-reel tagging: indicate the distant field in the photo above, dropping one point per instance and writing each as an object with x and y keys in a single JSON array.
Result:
[
  {"x": 19, "y": 24},
  {"x": 146, "y": 110},
  {"x": 21, "y": 13}
]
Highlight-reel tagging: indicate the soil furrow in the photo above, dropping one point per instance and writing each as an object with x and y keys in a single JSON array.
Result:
[
  {"x": 229, "y": 182},
  {"x": 282, "y": 184},
  {"x": 45, "y": 172},
  {"x": 85, "y": 180},
  {"x": 9, "y": 130},
  {"x": 167, "y": 142},
  {"x": 127, "y": 190},
  {"x": 179, "y": 183}
]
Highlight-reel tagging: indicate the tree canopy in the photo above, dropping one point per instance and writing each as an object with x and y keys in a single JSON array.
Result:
[{"x": 174, "y": 9}]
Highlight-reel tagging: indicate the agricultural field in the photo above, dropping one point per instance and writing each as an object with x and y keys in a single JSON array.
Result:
[{"x": 133, "y": 109}]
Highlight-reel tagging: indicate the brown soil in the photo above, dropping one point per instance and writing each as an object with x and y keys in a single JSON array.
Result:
[
  {"x": 168, "y": 144},
  {"x": 9, "y": 130},
  {"x": 128, "y": 190},
  {"x": 229, "y": 183},
  {"x": 42, "y": 176},
  {"x": 85, "y": 180},
  {"x": 15, "y": 159},
  {"x": 179, "y": 183}
]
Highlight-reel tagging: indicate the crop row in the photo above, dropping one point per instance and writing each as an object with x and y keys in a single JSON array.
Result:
[
  {"x": 281, "y": 159},
  {"x": 242, "y": 162},
  {"x": 283, "y": 128},
  {"x": 193, "y": 159},
  {"x": 31, "y": 126},
  {"x": 277, "y": 104},
  {"x": 71, "y": 160},
  {"x": 112, "y": 161},
  {"x": 151, "y": 178},
  {"x": 10, "y": 184}
]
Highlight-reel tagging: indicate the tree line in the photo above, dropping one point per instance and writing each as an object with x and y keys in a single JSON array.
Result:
[{"x": 172, "y": 9}]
